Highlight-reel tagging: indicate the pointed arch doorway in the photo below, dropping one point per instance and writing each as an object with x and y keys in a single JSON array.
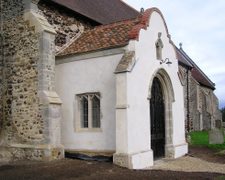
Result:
[
  {"x": 157, "y": 114},
  {"x": 161, "y": 98}
]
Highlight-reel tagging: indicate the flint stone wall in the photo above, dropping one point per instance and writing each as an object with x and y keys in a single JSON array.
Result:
[
  {"x": 186, "y": 90},
  {"x": 22, "y": 118},
  {"x": 1, "y": 94},
  {"x": 194, "y": 105},
  {"x": 67, "y": 24},
  {"x": 29, "y": 129},
  {"x": 203, "y": 105},
  {"x": 1, "y": 76}
]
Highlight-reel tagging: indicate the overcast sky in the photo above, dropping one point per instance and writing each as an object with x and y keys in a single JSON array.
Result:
[{"x": 200, "y": 26}]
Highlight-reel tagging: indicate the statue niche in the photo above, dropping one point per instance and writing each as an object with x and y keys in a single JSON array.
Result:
[{"x": 159, "y": 47}]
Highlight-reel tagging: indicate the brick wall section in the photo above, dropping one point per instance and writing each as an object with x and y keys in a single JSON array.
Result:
[{"x": 68, "y": 25}]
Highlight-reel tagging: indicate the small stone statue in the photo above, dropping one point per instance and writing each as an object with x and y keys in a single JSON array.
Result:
[{"x": 159, "y": 47}]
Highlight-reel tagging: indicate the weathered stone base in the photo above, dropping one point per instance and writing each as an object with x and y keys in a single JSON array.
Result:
[
  {"x": 176, "y": 151},
  {"x": 139, "y": 160},
  {"x": 26, "y": 152}
]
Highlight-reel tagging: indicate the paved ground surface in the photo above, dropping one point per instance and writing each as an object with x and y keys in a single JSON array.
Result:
[
  {"x": 190, "y": 164},
  {"x": 198, "y": 160},
  {"x": 69, "y": 169}
]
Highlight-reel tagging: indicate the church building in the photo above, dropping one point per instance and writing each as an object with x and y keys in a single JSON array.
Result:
[{"x": 97, "y": 77}]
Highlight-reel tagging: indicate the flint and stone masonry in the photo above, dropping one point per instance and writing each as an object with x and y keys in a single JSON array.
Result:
[
  {"x": 30, "y": 108},
  {"x": 201, "y": 104},
  {"x": 67, "y": 24}
]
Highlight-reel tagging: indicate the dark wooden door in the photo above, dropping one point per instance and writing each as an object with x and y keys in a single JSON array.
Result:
[{"x": 157, "y": 111}]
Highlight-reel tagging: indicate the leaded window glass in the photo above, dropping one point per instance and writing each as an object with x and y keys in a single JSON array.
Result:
[
  {"x": 89, "y": 110},
  {"x": 95, "y": 112},
  {"x": 84, "y": 112}
]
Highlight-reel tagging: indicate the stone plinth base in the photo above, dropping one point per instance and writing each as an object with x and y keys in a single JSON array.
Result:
[
  {"x": 139, "y": 160},
  {"x": 26, "y": 152},
  {"x": 176, "y": 151}
]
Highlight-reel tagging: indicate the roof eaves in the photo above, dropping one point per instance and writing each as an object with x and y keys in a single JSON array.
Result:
[
  {"x": 210, "y": 87},
  {"x": 100, "y": 29},
  {"x": 182, "y": 61},
  {"x": 184, "y": 65},
  {"x": 196, "y": 66},
  {"x": 91, "y": 51}
]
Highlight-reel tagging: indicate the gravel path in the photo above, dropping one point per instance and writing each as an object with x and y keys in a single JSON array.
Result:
[{"x": 189, "y": 164}]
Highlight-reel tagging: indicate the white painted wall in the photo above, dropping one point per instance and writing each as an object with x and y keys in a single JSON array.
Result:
[
  {"x": 91, "y": 75},
  {"x": 126, "y": 129},
  {"x": 138, "y": 86},
  {"x": 139, "y": 83}
]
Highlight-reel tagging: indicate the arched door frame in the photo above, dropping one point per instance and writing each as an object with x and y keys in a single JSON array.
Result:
[{"x": 168, "y": 96}]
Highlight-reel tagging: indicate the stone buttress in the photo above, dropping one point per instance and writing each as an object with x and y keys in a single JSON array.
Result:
[{"x": 30, "y": 108}]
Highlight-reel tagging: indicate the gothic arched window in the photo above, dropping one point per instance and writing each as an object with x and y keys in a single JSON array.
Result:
[{"x": 89, "y": 113}]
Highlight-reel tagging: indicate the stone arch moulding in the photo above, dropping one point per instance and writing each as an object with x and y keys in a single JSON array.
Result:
[{"x": 168, "y": 96}]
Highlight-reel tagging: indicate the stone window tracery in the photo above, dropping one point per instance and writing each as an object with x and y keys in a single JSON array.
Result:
[{"x": 89, "y": 110}]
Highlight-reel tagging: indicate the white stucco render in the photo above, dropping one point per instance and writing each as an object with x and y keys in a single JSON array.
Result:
[
  {"x": 85, "y": 76},
  {"x": 133, "y": 121},
  {"x": 125, "y": 108}
]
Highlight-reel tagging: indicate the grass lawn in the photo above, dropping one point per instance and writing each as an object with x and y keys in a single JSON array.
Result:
[{"x": 201, "y": 138}]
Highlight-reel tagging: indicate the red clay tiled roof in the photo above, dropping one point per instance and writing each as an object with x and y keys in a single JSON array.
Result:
[
  {"x": 144, "y": 23},
  {"x": 110, "y": 36},
  {"x": 101, "y": 11},
  {"x": 102, "y": 37},
  {"x": 198, "y": 76}
]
